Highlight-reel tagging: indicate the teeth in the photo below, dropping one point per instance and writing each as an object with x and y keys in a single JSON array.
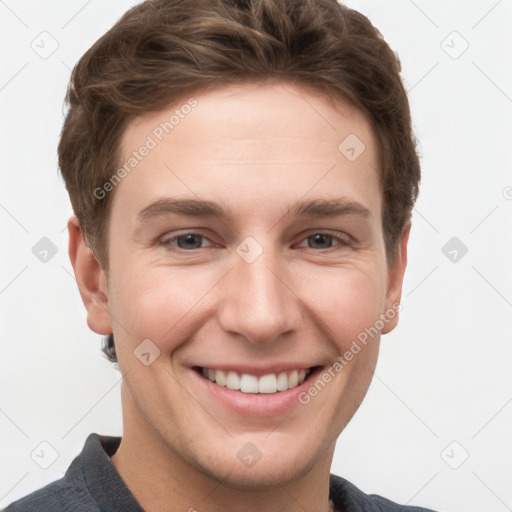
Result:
[
  {"x": 220, "y": 378},
  {"x": 282, "y": 381},
  {"x": 246, "y": 383},
  {"x": 267, "y": 384},
  {"x": 232, "y": 381}
]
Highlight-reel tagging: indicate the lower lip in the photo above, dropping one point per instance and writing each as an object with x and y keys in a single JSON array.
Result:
[{"x": 256, "y": 404}]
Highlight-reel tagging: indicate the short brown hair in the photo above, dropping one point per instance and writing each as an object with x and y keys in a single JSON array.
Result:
[{"x": 162, "y": 51}]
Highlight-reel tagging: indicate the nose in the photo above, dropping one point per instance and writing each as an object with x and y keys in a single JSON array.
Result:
[{"x": 257, "y": 301}]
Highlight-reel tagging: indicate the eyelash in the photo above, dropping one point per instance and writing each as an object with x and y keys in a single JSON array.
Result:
[{"x": 167, "y": 243}]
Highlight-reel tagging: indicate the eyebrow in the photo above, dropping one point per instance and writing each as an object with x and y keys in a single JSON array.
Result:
[
  {"x": 330, "y": 208},
  {"x": 203, "y": 208}
]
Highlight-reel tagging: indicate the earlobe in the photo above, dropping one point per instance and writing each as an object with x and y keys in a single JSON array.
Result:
[
  {"x": 90, "y": 278},
  {"x": 396, "y": 273}
]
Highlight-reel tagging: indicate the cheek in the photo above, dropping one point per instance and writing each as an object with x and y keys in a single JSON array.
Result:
[
  {"x": 169, "y": 305},
  {"x": 159, "y": 304},
  {"x": 346, "y": 301}
]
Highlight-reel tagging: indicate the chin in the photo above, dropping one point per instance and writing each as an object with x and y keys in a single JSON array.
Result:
[{"x": 262, "y": 464}]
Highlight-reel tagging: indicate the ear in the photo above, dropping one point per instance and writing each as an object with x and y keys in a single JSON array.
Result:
[
  {"x": 91, "y": 280},
  {"x": 396, "y": 273}
]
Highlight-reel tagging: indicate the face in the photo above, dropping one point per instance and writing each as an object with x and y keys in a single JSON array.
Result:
[{"x": 247, "y": 248}]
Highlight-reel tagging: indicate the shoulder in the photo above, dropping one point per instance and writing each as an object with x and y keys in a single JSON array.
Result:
[
  {"x": 71, "y": 492},
  {"x": 348, "y": 497},
  {"x": 59, "y": 495}
]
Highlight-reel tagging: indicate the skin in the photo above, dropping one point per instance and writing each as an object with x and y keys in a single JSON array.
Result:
[{"x": 256, "y": 149}]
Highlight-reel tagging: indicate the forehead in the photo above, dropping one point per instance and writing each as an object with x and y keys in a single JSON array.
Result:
[{"x": 276, "y": 139}]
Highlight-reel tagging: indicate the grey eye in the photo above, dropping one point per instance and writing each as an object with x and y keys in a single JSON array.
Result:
[
  {"x": 320, "y": 241},
  {"x": 189, "y": 241}
]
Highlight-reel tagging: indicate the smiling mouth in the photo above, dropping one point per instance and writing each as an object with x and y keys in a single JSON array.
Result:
[{"x": 247, "y": 383}]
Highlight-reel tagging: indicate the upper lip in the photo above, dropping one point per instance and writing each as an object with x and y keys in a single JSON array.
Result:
[{"x": 257, "y": 370}]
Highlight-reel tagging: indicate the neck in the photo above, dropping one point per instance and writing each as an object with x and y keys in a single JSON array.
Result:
[{"x": 162, "y": 480}]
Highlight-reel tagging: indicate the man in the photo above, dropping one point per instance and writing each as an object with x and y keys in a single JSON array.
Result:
[{"x": 242, "y": 176}]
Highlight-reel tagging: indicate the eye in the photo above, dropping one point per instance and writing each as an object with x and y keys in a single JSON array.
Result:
[
  {"x": 323, "y": 240},
  {"x": 191, "y": 241},
  {"x": 185, "y": 241}
]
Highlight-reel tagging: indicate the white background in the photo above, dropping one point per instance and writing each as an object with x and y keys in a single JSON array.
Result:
[{"x": 444, "y": 375}]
